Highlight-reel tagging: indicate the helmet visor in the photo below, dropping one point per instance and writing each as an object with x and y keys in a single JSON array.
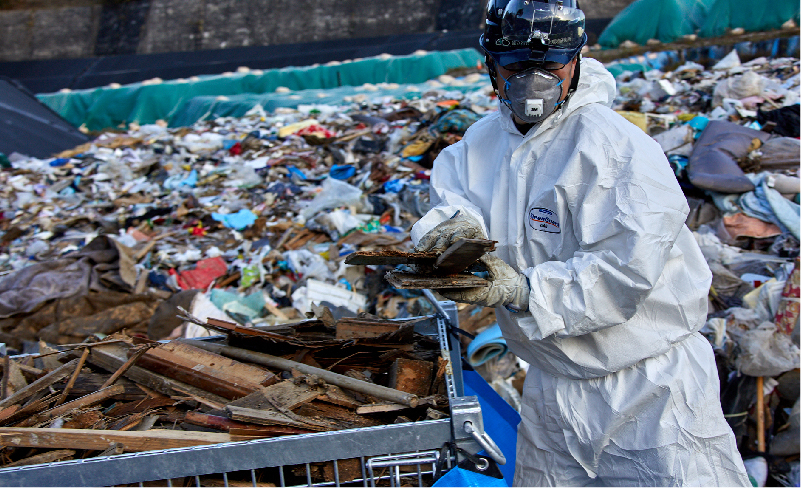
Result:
[{"x": 555, "y": 24}]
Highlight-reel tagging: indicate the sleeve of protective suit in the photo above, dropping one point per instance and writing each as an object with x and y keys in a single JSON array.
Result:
[
  {"x": 447, "y": 199},
  {"x": 626, "y": 219}
]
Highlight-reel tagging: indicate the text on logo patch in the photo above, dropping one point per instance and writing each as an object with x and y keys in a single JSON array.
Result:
[{"x": 543, "y": 219}]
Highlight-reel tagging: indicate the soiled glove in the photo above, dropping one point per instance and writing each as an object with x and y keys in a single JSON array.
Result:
[
  {"x": 440, "y": 238},
  {"x": 507, "y": 288}
]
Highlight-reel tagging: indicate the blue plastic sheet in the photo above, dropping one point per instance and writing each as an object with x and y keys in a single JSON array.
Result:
[
  {"x": 342, "y": 172},
  {"x": 238, "y": 221}
]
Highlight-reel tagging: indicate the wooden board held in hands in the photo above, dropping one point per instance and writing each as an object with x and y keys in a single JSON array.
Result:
[
  {"x": 458, "y": 257},
  {"x": 419, "y": 282}
]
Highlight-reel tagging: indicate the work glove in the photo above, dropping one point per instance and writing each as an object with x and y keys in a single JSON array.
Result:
[
  {"x": 507, "y": 288},
  {"x": 440, "y": 238}
]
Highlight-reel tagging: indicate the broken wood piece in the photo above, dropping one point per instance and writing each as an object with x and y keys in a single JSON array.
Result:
[
  {"x": 211, "y": 372},
  {"x": 343, "y": 418},
  {"x": 40, "y": 384},
  {"x": 85, "y": 401},
  {"x": 362, "y": 329},
  {"x": 37, "y": 403},
  {"x": 328, "y": 376},
  {"x": 338, "y": 396},
  {"x": 112, "y": 450},
  {"x": 240, "y": 428},
  {"x": 133, "y": 441},
  {"x": 391, "y": 257},
  {"x": 409, "y": 281},
  {"x": 230, "y": 327},
  {"x": 74, "y": 377},
  {"x": 287, "y": 394},
  {"x": 272, "y": 417},
  {"x": 43, "y": 458},
  {"x": 379, "y": 408},
  {"x": 411, "y": 376},
  {"x": 461, "y": 254},
  {"x": 456, "y": 258}
]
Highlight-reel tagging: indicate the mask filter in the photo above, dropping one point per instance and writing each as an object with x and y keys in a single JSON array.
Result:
[{"x": 532, "y": 95}]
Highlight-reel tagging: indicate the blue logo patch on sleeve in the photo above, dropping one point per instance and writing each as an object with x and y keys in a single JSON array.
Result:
[{"x": 544, "y": 220}]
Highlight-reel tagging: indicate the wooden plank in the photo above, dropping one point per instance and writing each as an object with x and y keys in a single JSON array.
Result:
[
  {"x": 248, "y": 372},
  {"x": 411, "y": 376},
  {"x": 347, "y": 330},
  {"x": 409, "y": 281},
  {"x": 211, "y": 372},
  {"x": 271, "y": 417},
  {"x": 40, "y": 384},
  {"x": 111, "y": 356},
  {"x": 380, "y": 408},
  {"x": 391, "y": 257},
  {"x": 133, "y": 441},
  {"x": 461, "y": 254},
  {"x": 85, "y": 401}
]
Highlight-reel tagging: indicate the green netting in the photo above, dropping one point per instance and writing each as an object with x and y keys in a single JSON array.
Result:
[
  {"x": 751, "y": 16},
  {"x": 668, "y": 20},
  {"x": 106, "y": 107}
]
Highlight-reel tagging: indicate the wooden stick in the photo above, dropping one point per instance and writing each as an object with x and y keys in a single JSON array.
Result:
[
  {"x": 130, "y": 362},
  {"x": 342, "y": 381},
  {"x": 133, "y": 441},
  {"x": 74, "y": 377},
  {"x": 760, "y": 385},
  {"x": 84, "y": 401},
  {"x": 53, "y": 377}
]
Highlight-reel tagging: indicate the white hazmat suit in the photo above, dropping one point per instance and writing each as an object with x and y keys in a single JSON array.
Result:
[{"x": 621, "y": 389}]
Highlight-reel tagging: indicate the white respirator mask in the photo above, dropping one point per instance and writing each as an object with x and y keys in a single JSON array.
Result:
[{"x": 533, "y": 94}]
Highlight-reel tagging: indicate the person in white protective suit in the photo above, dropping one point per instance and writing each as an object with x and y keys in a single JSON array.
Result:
[{"x": 597, "y": 282}]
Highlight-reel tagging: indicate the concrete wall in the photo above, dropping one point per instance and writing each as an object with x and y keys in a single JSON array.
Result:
[{"x": 107, "y": 27}]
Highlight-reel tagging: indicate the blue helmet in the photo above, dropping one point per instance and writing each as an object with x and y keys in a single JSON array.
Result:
[{"x": 533, "y": 31}]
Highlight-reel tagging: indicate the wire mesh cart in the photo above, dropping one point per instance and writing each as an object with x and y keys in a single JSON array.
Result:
[{"x": 405, "y": 454}]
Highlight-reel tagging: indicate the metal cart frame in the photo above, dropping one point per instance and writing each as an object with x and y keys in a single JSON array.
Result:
[{"x": 382, "y": 450}]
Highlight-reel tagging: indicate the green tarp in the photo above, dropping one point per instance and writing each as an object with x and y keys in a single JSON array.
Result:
[
  {"x": 668, "y": 20},
  {"x": 101, "y": 108}
]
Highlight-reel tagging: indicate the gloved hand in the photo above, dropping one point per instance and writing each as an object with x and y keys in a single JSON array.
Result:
[
  {"x": 507, "y": 288},
  {"x": 440, "y": 238}
]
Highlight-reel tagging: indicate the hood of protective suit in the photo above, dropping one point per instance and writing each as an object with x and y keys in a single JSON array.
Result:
[{"x": 596, "y": 85}]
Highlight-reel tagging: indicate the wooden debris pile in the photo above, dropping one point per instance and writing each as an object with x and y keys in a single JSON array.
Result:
[
  {"x": 127, "y": 394},
  {"x": 430, "y": 269}
]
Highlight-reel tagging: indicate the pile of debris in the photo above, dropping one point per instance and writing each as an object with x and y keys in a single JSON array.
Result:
[{"x": 128, "y": 394}]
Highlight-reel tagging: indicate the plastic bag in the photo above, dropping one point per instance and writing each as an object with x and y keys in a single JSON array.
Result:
[
  {"x": 335, "y": 193},
  {"x": 766, "y": 352}
]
